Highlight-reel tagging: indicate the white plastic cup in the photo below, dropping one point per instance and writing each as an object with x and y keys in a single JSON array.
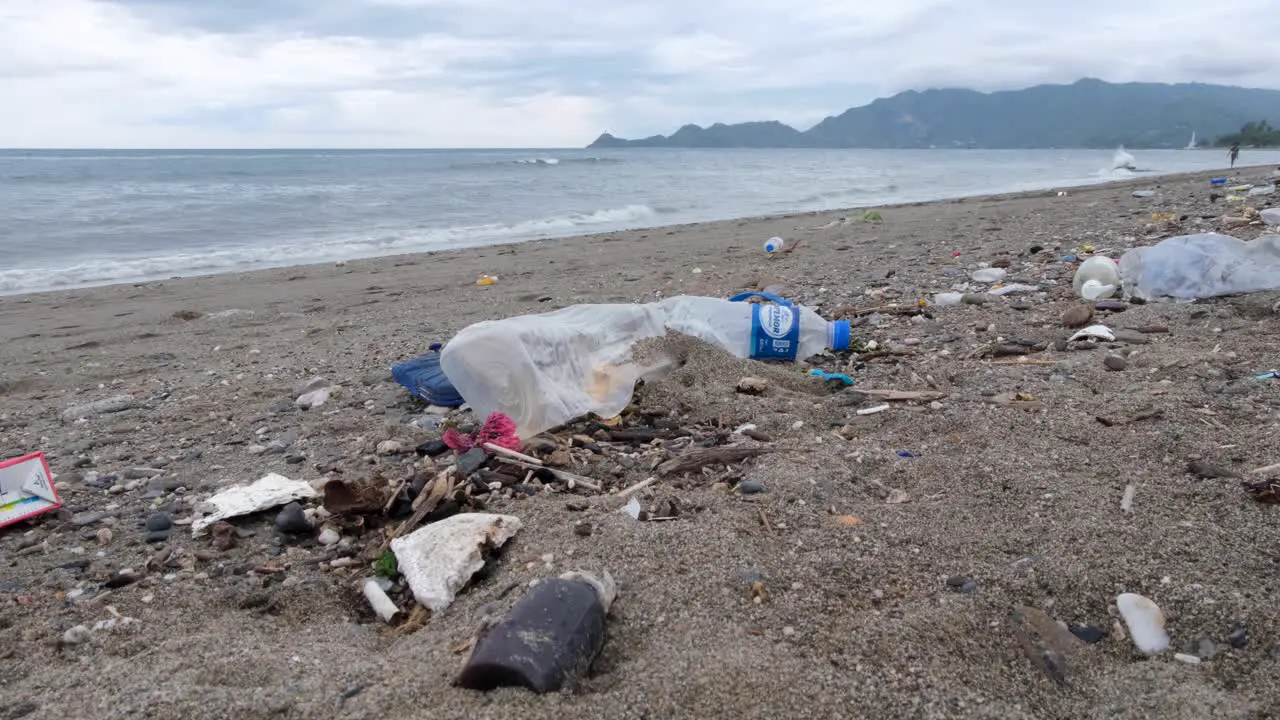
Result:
[{"x": 1097, "y": 278}]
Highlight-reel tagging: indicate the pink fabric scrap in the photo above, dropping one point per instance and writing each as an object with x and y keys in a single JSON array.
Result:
[{"x": 497, "y": 429}]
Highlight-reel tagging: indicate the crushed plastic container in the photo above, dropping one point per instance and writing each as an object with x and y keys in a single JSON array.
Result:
[
  {"x": 1189, "y": 267},
  {"x": 544, "y": 370},
  {"x": 1096, "y": 278}
]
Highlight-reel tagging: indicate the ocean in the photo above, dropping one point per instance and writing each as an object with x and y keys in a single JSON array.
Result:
[{"x": 77, "y": 218}]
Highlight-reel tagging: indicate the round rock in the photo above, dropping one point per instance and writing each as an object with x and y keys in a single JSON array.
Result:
[
  {"x": 292, "y": 520},
  {"x": 750, "y": 487},
  {"x": 159, "y": 522},
  {"x": 1115, "y": 362}
]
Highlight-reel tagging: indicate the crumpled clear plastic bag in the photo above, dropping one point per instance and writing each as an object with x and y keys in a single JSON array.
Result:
[{"x": 1190, "y": 267}]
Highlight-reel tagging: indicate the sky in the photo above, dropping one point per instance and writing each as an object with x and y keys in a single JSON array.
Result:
[{"x": 557, "y": 73}]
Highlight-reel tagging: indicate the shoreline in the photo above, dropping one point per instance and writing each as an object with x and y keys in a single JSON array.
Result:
[{"x": 1127, "y": 182}]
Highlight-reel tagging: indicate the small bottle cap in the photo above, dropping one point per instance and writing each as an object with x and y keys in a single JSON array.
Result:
[{"x": 840, "y": 335}]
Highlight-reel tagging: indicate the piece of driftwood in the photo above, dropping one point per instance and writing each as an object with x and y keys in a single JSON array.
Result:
[
  {"x": 702, "y": 457},
  {"x": 1024, "y": 361},
  {"x": 565, "y": 475},
  {"x": 427, "y": 500},
  {"x": 1137, "y": 417},
  {"x": 499, "y": 450},
  {"x": 643, "y": 435},
  {"x": 892, "y": 395}
]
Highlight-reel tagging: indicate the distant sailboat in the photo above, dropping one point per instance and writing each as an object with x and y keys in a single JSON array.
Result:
[{"x": 1192, "y": 145}]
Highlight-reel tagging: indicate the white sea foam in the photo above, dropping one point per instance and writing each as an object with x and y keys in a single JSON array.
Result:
[{"x": 206, "y": 262}]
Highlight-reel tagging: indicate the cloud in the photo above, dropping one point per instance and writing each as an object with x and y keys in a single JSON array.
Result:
[{"x": 470, "y": 73}]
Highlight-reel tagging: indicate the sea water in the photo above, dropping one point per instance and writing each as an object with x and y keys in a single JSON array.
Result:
[{"x": 74, "y": 218}]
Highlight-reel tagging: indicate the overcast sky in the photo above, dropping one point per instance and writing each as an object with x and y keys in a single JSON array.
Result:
[{"x": 556, "y": 73}]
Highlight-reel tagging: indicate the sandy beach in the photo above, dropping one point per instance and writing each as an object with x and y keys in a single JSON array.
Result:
[{"x": 1010, "y": 494}]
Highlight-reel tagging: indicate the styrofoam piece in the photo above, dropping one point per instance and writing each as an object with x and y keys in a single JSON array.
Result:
[
  {"x": 1145, "y": 622},
  {"x": 263, "y": 494},
  {"x": 1094, "y": 332},
  {"x": 382, "y": 605},
  {"x": 439, "y": 559}
]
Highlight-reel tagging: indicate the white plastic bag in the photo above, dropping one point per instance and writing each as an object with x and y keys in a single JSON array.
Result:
[
  {"x": 544, "y": 370},
  {"x": 1189, "y": 267}
]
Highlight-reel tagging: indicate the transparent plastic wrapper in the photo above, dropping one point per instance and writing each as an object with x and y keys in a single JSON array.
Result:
[
  {"x": 1189, "y": 267},
  {"x": 544, "y": 370}
]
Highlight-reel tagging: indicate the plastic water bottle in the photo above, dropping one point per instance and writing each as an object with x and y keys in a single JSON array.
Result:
[
  {"x": 774, "y": 244},
  {"x": 780, "y": 331},
  {"x": 544, "y": 370},
  {"x": 1097, "y": 278}
]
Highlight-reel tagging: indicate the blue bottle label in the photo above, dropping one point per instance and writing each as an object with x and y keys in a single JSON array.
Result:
[{"x": 775, "y": 332}]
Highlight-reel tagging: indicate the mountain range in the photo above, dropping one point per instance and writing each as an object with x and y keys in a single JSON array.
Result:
[{"x": 1088, "y": 113}]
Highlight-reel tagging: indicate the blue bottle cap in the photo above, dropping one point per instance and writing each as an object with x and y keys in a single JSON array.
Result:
[{"x": 840, "y": 335}]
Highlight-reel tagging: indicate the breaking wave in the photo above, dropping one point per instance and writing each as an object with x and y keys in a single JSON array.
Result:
[{"x": 89, "y": 272}]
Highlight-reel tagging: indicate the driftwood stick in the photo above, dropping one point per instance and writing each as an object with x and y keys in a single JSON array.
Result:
[
  {"x": 499, "y": 450},
  {"x": 565, "y": 475},
  {"x": 901, "y": 394},
  {"x": 702, "y": 457}
]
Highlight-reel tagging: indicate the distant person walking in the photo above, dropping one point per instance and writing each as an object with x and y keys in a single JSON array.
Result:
[{"x": 1235, "y": 153}]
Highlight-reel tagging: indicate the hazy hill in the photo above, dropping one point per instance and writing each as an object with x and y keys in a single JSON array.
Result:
[{"x": 1087, "y": 113}]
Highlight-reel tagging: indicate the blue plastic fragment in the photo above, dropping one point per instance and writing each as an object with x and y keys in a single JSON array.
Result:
[
  {"x": 907, "y": 454},
  {"x": 423, "y": 377},
  {"x": 832, "y": 376}
]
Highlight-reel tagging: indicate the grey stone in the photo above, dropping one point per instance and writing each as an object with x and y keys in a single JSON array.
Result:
[
  {"x": 1115, "y": 362},
  {"x": 471, "y": 461},
  {"x": 962, "y": 584},
  {"x": 158, "y": 536},
  {"x": 1239, "y": 637},
  {"x": 158, "y": 521},
  {"x": 750, "y": 487},
  {"x": 292, "y": 520},
  {"x": 77, "y": 635},
  {"x": 141, "y": 473},
  {"x": 87, "y": 518}
]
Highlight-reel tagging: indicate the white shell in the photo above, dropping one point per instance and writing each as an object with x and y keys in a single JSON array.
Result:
[
  {"x": 1145, "y": 622},
  {"x": 1094, "y": 332}
]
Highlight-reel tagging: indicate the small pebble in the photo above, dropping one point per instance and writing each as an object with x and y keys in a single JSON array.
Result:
[
  {"x": 963, "y": 584},
  {"x": 158, "y": 521},
  {"x": 1239, "y": 637},
  {"x": 292, "y": 520},
  {"x": 750, "y": 487},
  {"x": 471, "y": 461},
  {"x": 788, "y": 631},
  {"x": 329, "y": 536},
  {"x": 158, "y": 536},
  {"x": 1088, "y": 633},
  {"x": 77, "y": 635},
  {"x": 1115, "y": 362},
  {"x": 1077, "y": 315},
  {"x": 390, "y": 447}
]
